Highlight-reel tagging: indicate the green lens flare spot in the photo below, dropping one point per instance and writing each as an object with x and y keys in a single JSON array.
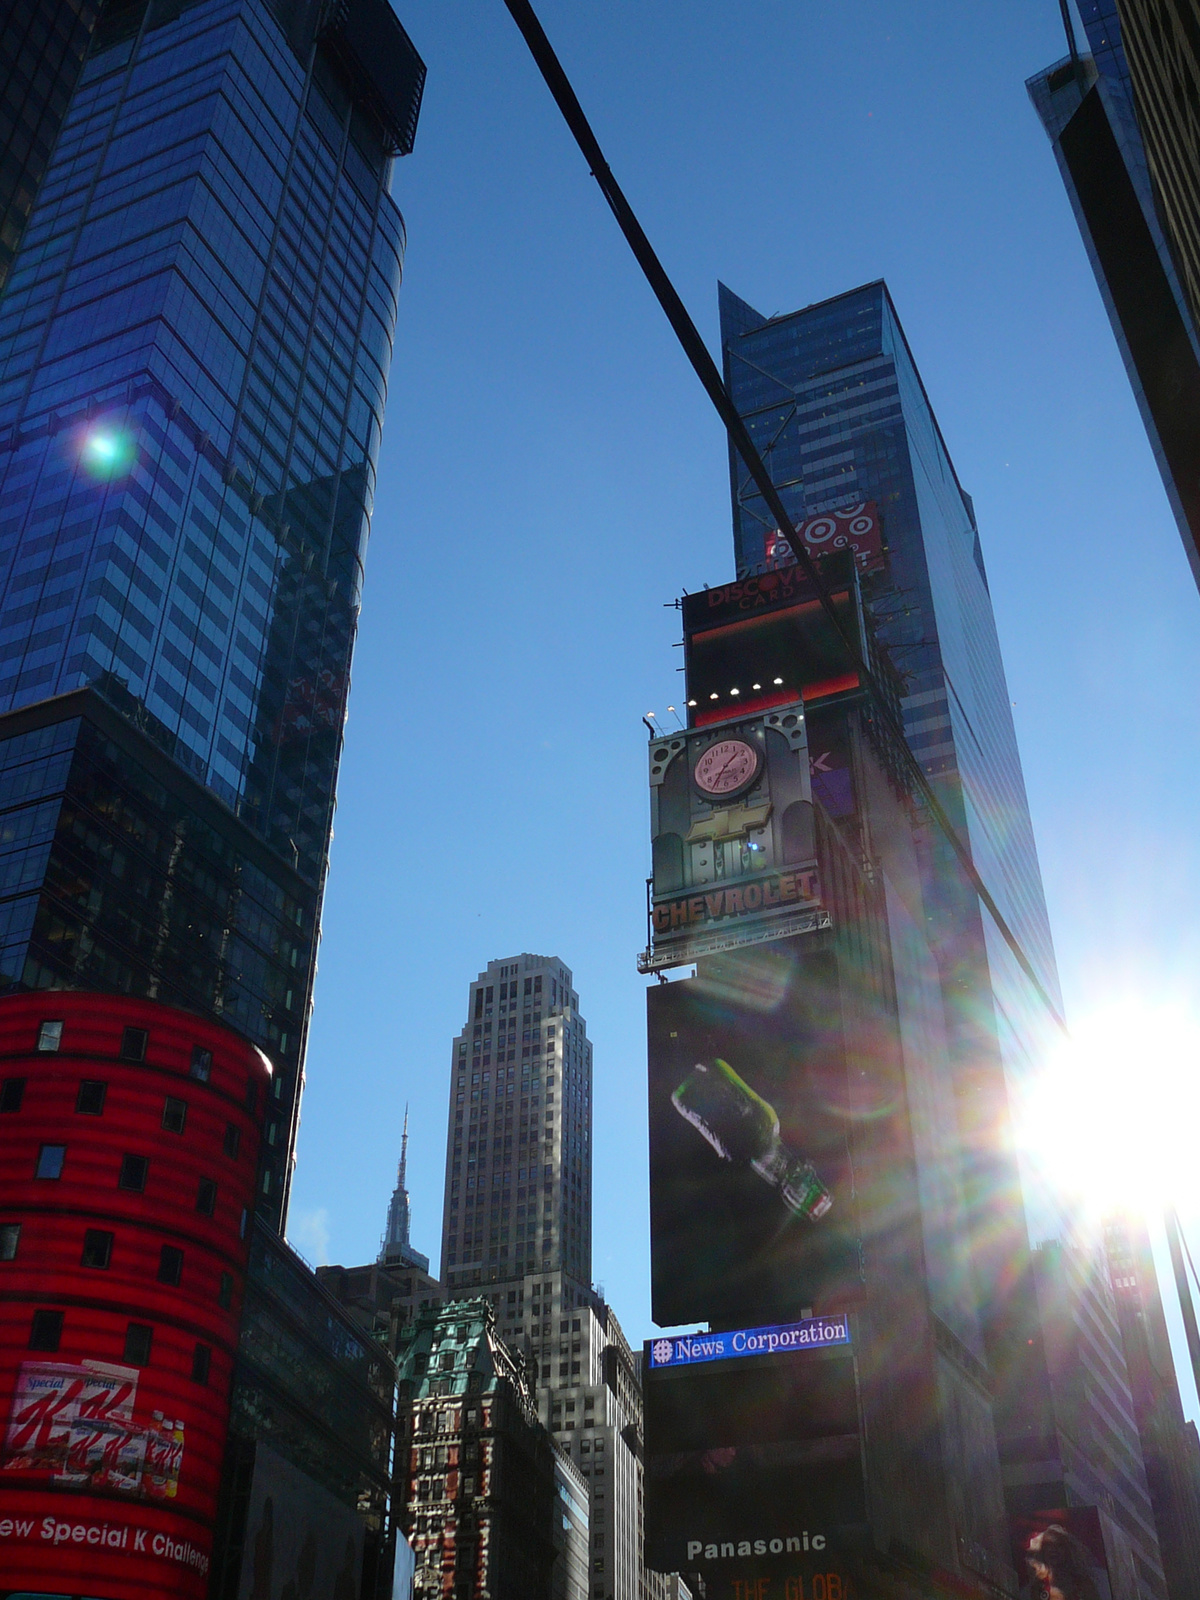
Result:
[{"x": 107, "y": 451}]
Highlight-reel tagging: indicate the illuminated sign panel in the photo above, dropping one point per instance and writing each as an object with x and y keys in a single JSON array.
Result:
[
  {"x": 732, "y": 828},
  {"x": 810, "y": 1333},
  {"x": 753, "y": 1470},
  {"x": 787, "y": 587},
  {"x": 856, "y": 528},
  {"x": 752, "y": 1190},
  {"x": 121, "y": 1296},
  {"x": 1063, "y": 1543}
]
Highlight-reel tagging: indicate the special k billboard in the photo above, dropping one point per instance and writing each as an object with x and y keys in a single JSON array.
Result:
[
  {"x": 75, "y": 1425},
  {"x": 123, "y": 1290},
  {"x": 89, "y": 1482}
]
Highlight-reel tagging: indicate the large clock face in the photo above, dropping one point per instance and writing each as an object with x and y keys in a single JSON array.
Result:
[{"x": 726, "y": 767}]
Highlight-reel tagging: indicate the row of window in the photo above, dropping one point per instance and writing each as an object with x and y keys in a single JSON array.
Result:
[
  {"x": 134, "y": 1044},
  {"x": 97, "y": 1252},
  {"x": 46, "y": 1331},
  {"x": 134, "y": 1171},
  {"x": 439, "y": 1421},
  {"x": 439, "y": 1455},
  {"x": 531, "y": 1023},
  {"x": 485, "y": 995},
  {"x": 589, "y": 1404},
  {"x": 89, "y": 1102},
  {"x": 433, "y": 1489}
]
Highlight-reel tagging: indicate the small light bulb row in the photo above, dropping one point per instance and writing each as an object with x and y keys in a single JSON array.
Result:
[{"x": 735, "y": 693}]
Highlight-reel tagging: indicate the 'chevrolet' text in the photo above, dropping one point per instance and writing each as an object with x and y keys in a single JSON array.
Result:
[{"x": 753, "y": 898}]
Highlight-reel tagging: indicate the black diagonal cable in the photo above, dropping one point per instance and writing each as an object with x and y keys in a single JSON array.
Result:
[
  {"x": 705, "y": 369},
  {"x": 1069, "y": 30}
]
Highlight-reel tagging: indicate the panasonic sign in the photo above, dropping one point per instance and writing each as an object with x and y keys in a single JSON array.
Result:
[
  {"x": 687, "y": 1350},
  {"x": 729, "y": 1550}
]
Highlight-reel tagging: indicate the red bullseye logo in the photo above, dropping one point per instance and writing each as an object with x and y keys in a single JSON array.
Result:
[{"x": 855, "y": 527}]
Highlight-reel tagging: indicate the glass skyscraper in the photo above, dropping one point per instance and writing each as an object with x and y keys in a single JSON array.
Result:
[
  {"x": 45, "y": 45},
  {"x": 833, "y": 400},
  {"x": 194, "y": 345},
  {"x": 1124, "y": 120}
]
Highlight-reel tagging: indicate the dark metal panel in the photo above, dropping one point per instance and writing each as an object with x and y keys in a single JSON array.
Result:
[{"x": 381, "y": 62}]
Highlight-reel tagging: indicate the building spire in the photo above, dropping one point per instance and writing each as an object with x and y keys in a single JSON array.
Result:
[
  {"x": 396, "y": 1248},
  {"x": 402, "y": 1177}
]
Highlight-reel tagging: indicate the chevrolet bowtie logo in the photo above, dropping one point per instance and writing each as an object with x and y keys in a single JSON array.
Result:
[{"x": 730, "y": 823}]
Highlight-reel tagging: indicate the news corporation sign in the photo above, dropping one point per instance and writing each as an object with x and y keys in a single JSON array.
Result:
[{"x": 690, "y": 1349}]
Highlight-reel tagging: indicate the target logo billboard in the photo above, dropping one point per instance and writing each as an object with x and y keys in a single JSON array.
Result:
[{"x": 856, "y": 528}]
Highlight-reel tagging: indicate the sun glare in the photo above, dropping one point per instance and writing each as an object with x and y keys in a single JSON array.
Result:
[
  {"x": 1112, "y": 1120},
  {"x": 107, "y": 451}
]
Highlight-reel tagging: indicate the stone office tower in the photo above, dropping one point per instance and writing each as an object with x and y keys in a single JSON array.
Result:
[
  {"x": 194, "y": 344},
  {"x": 519, "y": 1153},
  {"x": 517, "y": 1228}
]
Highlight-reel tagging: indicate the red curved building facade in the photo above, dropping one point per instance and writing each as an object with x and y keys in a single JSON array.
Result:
[{"x": 129, "y": 1141}]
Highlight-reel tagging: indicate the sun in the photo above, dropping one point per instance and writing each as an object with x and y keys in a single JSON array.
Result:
[{"x": 1110, "y": 1121}]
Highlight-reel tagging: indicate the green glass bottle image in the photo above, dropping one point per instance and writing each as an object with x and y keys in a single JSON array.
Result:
[{"x": 744, "y": 1130}]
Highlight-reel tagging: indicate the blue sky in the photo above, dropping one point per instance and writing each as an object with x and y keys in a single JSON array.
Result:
[{"x": 552, "y": 476}]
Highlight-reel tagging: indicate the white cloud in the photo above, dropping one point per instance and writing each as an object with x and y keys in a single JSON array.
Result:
[{"x": 308, "y": 1235}]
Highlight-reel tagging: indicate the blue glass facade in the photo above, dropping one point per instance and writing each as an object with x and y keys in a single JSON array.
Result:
[
  {"x": 45, "y": 46},
  {"x": 195, "y": 341},
  {"x": 1135, "y": 205},
  {"x": 835, "y": 404},
  {"x": 194, "y": 345},
  {"x": 833, "y": 400}
]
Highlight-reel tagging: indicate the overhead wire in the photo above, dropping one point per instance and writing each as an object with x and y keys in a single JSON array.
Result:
[{"x": 705, "y": 369}]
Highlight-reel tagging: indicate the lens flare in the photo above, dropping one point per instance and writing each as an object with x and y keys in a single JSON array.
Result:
[
  {"x": 107, "y": 451},
  {"x": 1110, "y": 1121}
]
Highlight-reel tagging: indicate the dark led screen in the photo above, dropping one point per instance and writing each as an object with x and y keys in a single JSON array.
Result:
[
  {"x": 736, "y": 1460},
  {"x": 753, "y": 1211}
]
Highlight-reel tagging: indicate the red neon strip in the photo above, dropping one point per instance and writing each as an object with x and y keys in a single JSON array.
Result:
[{"x": 828, "y": 686}]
